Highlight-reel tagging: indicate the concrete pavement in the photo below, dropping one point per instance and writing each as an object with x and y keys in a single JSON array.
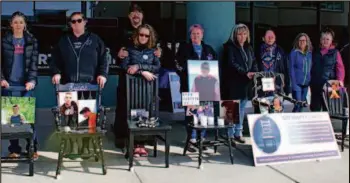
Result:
[{"x": 217, "y": 167}]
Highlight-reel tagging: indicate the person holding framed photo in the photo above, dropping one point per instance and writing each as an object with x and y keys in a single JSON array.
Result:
[{"x": 19, "y": 67}]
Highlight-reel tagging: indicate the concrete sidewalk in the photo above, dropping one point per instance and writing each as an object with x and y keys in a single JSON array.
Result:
[{"x": 217, "y": 167}]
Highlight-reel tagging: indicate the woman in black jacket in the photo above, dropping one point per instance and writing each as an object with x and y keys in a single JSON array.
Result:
[
  {"x": 141, "y": 60},
  {"x": 241, "y": 66},
  {"x": 19, "y": 61},
  {"x": 195, "y": 49}
]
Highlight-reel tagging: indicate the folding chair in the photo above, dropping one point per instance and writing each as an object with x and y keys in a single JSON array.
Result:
[{"x": 79, "y": 132}]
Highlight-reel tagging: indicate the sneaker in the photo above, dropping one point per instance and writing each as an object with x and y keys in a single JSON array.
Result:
[
  {"x": 35, "y": 156},
  {"x": 204, "y": 148},
  {"x": 239, "y": 139},
  {"x": 137, "y": 151},
  {"x": 13, "y": 155},
  {"x": 143, "y": 152},
  {"x": 191, "y": 148}
]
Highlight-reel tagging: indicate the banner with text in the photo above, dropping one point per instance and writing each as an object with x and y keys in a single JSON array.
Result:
[{"x": 292, "y": 137}]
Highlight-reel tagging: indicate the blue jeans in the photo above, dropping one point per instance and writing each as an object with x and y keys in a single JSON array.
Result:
[
  {"x": 300, "y": 96},
  {"x": 14, "y": 144},
  {"x": 237, "y": 129},
  {"x": 194, "y": 134}
]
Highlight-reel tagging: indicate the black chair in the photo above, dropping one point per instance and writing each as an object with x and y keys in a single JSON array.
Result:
[
  {"x": 143, "y": 94},
  {"x": 78, "y": 132},
  {"x": 338, "y": 108},
  {"x": 24, "y": 131}
]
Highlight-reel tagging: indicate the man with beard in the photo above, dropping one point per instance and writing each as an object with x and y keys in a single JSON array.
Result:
[
  {"x": 136, "y": 19},
  {"x": 69, "y": 110}
]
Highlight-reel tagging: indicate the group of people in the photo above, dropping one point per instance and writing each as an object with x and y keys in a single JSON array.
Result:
[{"x": 80, "y": 57}]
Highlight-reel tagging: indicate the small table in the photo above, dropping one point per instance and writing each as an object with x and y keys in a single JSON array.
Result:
[
  {"x": 160, "y": 132},
  {"x": 94, "y": 134},
  {"x": 23, "y": 131},
  {"x": 219, "y": 141}
]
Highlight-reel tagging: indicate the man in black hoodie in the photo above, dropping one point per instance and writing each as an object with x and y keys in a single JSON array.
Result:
[{"x": 80, "y": 56}]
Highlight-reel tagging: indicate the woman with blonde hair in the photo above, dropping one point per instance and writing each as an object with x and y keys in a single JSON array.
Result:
[
  {"x": 300, "y": 59},
  {"x": 241, "y": 67},
  {"x": 327, "y": 64}
]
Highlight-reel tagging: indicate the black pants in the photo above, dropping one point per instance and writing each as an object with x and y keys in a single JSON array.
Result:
[{"x": 317, "y": 101}]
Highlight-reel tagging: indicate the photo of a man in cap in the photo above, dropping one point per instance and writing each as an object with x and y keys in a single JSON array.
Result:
[
  {"x": 90, "y": 118},
  {"x": 206, "y": 84}
]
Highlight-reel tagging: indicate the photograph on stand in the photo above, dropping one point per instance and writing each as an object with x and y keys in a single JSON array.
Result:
[
  {"x": 203, "y": 77},
  {"x": 17, "y": 110},
  {"x": 87, "y": 113},
  {"x": 229, "y": 111},
  {"x": 69, "y": 108}
]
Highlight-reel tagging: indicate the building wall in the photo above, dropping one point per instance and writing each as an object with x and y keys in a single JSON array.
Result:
[{"x": 291, "y": 13}]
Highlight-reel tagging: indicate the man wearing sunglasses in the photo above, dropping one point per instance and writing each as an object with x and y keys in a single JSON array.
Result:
[
  {"x": 136, "y": 19},
  {"x": 80, "y": 56}
]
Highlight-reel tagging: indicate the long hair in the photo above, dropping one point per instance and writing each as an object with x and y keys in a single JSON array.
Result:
[
  {"x": 152, "y": 40},
  {"x": 308, "y": 42},
  {"x": 238, "y": 29},
  {"x": 19, "y": 14}
]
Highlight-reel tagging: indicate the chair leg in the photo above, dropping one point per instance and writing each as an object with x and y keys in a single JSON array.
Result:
[
  {"x": 60, "y": 157},
  {"x": 230, "y": 147},
  {"x": 216, "y": 139},
  {"x": 344, "y": 125},
  {"x": 100, "y": 146},
  {"x": 155, "y": 146},
  {"x": 187, "y": 141},
  {"x": 131, "y": 151},
  {"x": 96, "y": 153},
  {"x": 167, "y": 150},
  {"x": 31, "y": 159},
  {"x": 200, "y": 148}
]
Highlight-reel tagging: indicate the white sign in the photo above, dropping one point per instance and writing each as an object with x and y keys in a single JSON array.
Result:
[
  {"x": 190, "y": 98},
  {"x": 268, "y": 84},
  {"x": 292, "y": 137}
]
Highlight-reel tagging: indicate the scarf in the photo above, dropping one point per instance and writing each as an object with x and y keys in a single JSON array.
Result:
[{"x": 268, "y": 56}]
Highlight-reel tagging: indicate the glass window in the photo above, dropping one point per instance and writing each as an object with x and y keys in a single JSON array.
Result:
[
  {"x": 242, "y": 4},
  {"x": 333, "y": 6}
]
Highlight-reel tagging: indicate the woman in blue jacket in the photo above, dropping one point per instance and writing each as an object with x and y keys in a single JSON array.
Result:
[
  {"x": 300, "y": 67},
  {"x": 142, "y": 61}
]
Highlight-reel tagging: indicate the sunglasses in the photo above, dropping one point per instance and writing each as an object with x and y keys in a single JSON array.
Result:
[
  {"x": 144, "y": 35},
  {"x": 75, "y": 21}
]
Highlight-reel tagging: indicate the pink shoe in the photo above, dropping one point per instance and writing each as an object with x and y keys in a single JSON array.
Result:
[
  {"x": 137, "y": 150},
  {"x": 143, "y": 152}
]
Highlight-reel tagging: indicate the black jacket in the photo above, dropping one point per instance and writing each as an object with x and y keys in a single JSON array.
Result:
[
  {"x": 143, "y": 57},
  {"x": 83, "y": 66},
  {"x": 186, "y": 52},
  {"x": 235, "y": 72},
  {"x": 30, "y": 56}
]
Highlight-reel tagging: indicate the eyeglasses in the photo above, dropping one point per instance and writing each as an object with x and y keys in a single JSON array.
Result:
[
  {"x": 144, "y": 35},
  {"x": 75, "y": 21}
]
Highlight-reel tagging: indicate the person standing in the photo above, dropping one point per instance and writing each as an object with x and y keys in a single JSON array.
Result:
[
  {"x": 195, "y": 49},
  {"x": 272, "y": 58},
  {"x": 80, "y": 55},
  {"x": 141, "y": 61},
  {"x": 327, "y": 64},
  {"x": 241, "y": 66},
  {"x": 300, "y": 66},
  {"x": 19, "y": 67}
]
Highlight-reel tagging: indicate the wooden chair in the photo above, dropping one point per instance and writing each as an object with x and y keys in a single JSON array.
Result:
[
  {"x": 142, "y": 94},
  {"x": 81, "y": 132},
  {"x": 337, "y": 105},
  {"x": 24, "y": 131}
]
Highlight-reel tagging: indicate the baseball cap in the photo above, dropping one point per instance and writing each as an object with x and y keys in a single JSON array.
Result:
[{"x": 135, "y": 7}]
